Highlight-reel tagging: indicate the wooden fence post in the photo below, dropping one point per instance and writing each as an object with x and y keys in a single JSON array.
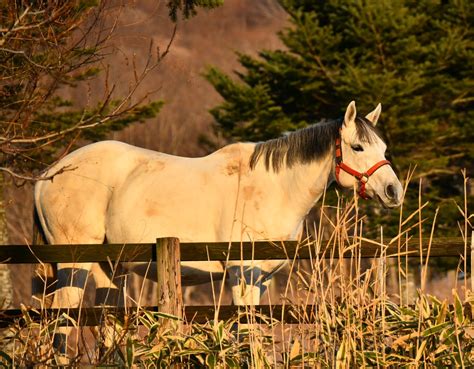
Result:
[{"x": 170, "y": 298}]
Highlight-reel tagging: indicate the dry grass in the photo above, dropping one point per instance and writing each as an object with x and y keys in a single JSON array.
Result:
[{"x": 358, "y": 320}]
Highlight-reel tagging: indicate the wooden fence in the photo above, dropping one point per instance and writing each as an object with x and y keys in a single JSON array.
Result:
[{"x": 168, "y": 253}]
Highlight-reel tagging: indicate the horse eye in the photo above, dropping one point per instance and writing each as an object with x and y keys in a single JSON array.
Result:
[{"x": 357, "y": 148}]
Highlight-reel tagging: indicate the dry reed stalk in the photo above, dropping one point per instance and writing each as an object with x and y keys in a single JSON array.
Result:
[{"x": 356, "y": 322}]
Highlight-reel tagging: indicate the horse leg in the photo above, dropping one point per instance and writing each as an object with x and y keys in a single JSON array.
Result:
[
  {"x": 72, "y": 280},
  {"x": 109, "y": 286},
  {"x": 45, "y": 275},
  {"x": 246, "y": 280},
  {"x": 246, "y": 283},
  {"x": 250, "y": 280},
  {"x": 43, "y": 285}
]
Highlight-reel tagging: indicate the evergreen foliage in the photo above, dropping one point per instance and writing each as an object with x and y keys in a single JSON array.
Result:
[
  {"x": 188, "y": 7},
  {"x": 415, "y": 57}
]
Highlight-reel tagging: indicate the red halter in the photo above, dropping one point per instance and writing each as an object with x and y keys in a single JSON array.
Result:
[{"x": 363, "y": 178}]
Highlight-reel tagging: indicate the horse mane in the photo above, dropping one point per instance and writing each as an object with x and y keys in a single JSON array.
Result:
[{"x": 307, "y": 144}]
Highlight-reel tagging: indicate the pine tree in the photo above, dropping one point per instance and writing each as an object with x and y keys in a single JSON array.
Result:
[{"x": 415, "y": 57}]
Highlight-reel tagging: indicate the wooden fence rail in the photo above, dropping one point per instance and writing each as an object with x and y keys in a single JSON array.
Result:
[
  {"x": 203, "y": 251},
  {"x": 95, "y": 316},
  {"x": 169, "y": 252}
]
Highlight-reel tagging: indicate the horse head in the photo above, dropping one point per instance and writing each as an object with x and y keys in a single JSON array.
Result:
[{"x": 360, "y": 159}]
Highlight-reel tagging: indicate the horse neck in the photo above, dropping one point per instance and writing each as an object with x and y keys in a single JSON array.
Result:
[{"x": 304, "y": 184}]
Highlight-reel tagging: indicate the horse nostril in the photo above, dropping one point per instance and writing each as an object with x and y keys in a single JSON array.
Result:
[{"x": 391, "y": 191}]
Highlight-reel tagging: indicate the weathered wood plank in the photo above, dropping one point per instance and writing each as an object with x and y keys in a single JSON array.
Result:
[
  {"x": 168, "y": 272},
  {"x": 18, "y": 254},
  {"x": 258, "y": 314},
  {"x": 22, "y": 254},
  {"x": 93, "y": 316},
  {"x": 452, "y": 246},
  {"x": 192, "y": 314}
]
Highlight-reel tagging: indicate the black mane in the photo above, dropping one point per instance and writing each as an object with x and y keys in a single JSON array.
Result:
[{"x": 307, "y": 144}]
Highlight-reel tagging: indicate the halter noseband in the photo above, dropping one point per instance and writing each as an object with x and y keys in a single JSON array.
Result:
[{"x": 363, "y": 178}]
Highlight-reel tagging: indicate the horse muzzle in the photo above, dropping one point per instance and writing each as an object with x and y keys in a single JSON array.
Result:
[{"x": 392, "y": 195}]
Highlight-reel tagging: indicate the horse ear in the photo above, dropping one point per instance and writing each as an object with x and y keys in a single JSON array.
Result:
[
  {"x": 374, "y": 115},
  {"x": 351, "y": 113}
]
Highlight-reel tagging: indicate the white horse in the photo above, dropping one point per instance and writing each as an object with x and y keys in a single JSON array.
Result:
[{"x": 119, "y": 193}]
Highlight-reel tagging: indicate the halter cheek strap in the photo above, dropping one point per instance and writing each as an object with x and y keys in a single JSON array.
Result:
[{"x": 362, "y": 178}]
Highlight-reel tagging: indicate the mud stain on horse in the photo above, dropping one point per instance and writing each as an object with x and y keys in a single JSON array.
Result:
[
  {"x": 232, "y": 157},
  {"x": 155, "y": 166},
  {"x": 148, "y": 166},
  {"x": 232, "y": 168},
  {"x": 151, "y": 212},
  {"x": 152, "y": 209},
  {"x": 256, "y": 205},
  {"x": 313, "y": 193},
  {"x": 248, "y": 192}
]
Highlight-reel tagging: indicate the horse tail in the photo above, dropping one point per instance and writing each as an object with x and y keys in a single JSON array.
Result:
[{"x": 45, "y": 275}]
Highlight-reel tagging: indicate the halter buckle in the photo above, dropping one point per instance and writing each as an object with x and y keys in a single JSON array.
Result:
[{"x": 364, "y": 178}]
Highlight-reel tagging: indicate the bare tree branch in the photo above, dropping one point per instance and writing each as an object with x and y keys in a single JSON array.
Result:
[
  {"x": 49, "y": 177},
  {"x": 43, "y": 47}
]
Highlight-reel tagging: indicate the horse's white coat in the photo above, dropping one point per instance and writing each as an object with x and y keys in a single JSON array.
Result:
[{"x": 122, "y": 194}]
